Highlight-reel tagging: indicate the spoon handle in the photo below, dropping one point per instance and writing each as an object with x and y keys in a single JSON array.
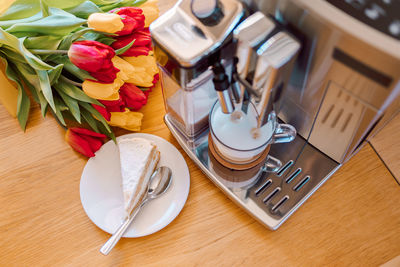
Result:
[{"x": 110, "y": 244}]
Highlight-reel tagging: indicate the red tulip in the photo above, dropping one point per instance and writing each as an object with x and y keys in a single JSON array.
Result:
[
  {"x": 103, "y": 111},
  {"x": 147, "y": 92},
  {"x": 135, "y": 13},
  {"x": 141, "y": 46},
  {"x": 95, "y": 58},
  {"x": 129, "y": 25},
  {"x": 84, "y": 141},
  {"x": 156, "y": 78},
  {"x": 114, "y": 105},
  {"x": 133, "y": 97}
]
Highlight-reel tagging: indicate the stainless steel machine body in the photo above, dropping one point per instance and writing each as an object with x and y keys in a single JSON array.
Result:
[{"x": 344, "y": 86}]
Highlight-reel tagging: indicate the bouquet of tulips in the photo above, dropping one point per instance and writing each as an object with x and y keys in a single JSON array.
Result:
[{"x": 90, "y": 63}]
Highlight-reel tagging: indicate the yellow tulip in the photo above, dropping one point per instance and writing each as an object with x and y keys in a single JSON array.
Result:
[
  {"x": 105, "y": 22},
  {"x": 150, "y": 11},
  {"x": 130, "y": 120},
  {"x": 8, "y": 92},
  {"x": 145, "y": 68},
  {"x": 126, "y": 70},
  {"x": 103, "y": 91}
]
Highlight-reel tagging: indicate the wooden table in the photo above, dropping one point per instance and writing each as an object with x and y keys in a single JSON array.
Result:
[{"x": 354, "y": 219}]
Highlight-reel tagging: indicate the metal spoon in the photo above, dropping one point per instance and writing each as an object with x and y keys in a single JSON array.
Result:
[{"x": 159, "y": 183}]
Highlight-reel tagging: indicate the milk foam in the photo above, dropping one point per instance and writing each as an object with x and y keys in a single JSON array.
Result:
[{"x": 237, "y": 133}]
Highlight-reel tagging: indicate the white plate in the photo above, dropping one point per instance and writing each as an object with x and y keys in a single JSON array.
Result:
[{"x": 101, "y": 190}]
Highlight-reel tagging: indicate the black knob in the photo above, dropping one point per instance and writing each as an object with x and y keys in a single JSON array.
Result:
[
  {"x": 221, "y": 81},
  {"x": 209, "y": 12}
]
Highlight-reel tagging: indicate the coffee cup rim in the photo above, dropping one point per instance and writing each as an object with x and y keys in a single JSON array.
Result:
[{"x": 236, "y": 149}]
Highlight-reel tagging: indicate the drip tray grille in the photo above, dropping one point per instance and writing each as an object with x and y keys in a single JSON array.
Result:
[{"x": 269, "y": 197}]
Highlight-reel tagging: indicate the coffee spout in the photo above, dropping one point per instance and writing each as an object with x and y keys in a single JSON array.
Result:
[
  {"x": 274, "y": 60},
  {"x": 222, "y": 85},
  {"x": 249, "y": 34}
]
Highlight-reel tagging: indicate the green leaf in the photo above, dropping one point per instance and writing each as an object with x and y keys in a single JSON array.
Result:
[
  {"x": 45, "y": 9},
  {"x": 46, "y": 42},
  {"x": 71, "y": 68},
  {"x": 8, "y": 23},
  {"x": 72, "y": 105},
  {"x": 87, "y": 116},
  {"x": 31, "y": 79},
  {"x": 21, "y": 9},
  {"x": 125, "y": 48},
  {"x": 23, "y": 107},
  {"x": 70, "y": 38},
  {"x": 43, "y": 104},
  {"x": 46, "y": 88},
  {"x": 17, "y": 45},
  {"x": 32, "y": 60},
  {"x": 104, "y": 2},
  {"x": 29, "y": 74},
  {"x": 55, "y": 73},
  {"x": 23, "y": 102},
  {"x": 122, "y": 3},
  {"x": 84, "y": 10},
  {"x": 106, "y": 40},
  {"x": 99, "y": 37},
  {"x": 103, "y": 130},
  {"x": 96, "y": 114},
  {"x": 59, "y": 105},
  {"x": 27, "y": 8},
  {"x": 58, "y": 23},
  {"x": 38, "y": 96},
  {"x": 75, "y": 92},
  {"x": 64, "y": 4},
  {"x": 11, "y": 55}
]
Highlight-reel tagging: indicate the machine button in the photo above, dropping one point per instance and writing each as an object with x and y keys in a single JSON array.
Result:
[
  {"x": 374, "y": 12},
  {"x": 394, "y": 28},
  {"x": 209, "y": 12}
]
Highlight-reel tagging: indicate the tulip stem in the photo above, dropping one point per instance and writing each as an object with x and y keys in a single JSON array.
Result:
[
  {"x": 47, "y": 52},
  {"x": 65, "y": 79}
]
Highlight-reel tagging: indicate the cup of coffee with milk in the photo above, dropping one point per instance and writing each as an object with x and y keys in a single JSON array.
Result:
[{"x": 237, "y": 139}]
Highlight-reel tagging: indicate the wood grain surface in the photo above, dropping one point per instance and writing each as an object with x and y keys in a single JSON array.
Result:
[
  {"x": 354, "y": 219},
  {"x": 387, "y": 145}
]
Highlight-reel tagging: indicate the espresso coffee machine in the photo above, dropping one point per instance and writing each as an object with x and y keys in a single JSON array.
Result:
[{"x": 329, "y": 68}]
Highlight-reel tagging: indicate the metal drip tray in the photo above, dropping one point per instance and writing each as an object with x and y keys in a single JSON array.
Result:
[{"x": 269, "y": 197}]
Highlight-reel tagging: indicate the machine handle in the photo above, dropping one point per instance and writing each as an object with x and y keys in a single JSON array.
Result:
[
  {"x": 272, "y": 164},
  {"x": 284, "y": 133}
]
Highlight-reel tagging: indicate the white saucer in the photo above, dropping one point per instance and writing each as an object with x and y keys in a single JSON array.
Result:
[{"x": 101, "y": 190}]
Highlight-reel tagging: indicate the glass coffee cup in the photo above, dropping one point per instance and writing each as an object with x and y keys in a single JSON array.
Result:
[{"x": 237, "y": 139}]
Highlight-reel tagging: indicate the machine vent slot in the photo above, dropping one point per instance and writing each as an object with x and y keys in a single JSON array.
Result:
[
  {"x": 293, "y": 175},
  {"x": 346, "y": 122},
  {"x": 301, "y": 183},
  {"x": 328, "y": 113},
  {"x": 272, "y": 194},
  {"x": 280, "y": 203},
  {"x": 263, "y": 187},
  {"x": 284, "y": 168},
  {"x": 333, "y": 125}
]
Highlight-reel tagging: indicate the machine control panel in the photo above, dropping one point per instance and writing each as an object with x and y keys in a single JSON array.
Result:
[{"x": 383, "y": 15}]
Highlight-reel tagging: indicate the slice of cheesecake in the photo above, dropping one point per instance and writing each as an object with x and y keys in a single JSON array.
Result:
[{"x": 139, "y": 158}]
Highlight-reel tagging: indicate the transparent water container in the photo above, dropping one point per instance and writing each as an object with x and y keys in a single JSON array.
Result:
[
  {"x": 188, "y": 107},
  {"x": 188, "y": 39}
]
